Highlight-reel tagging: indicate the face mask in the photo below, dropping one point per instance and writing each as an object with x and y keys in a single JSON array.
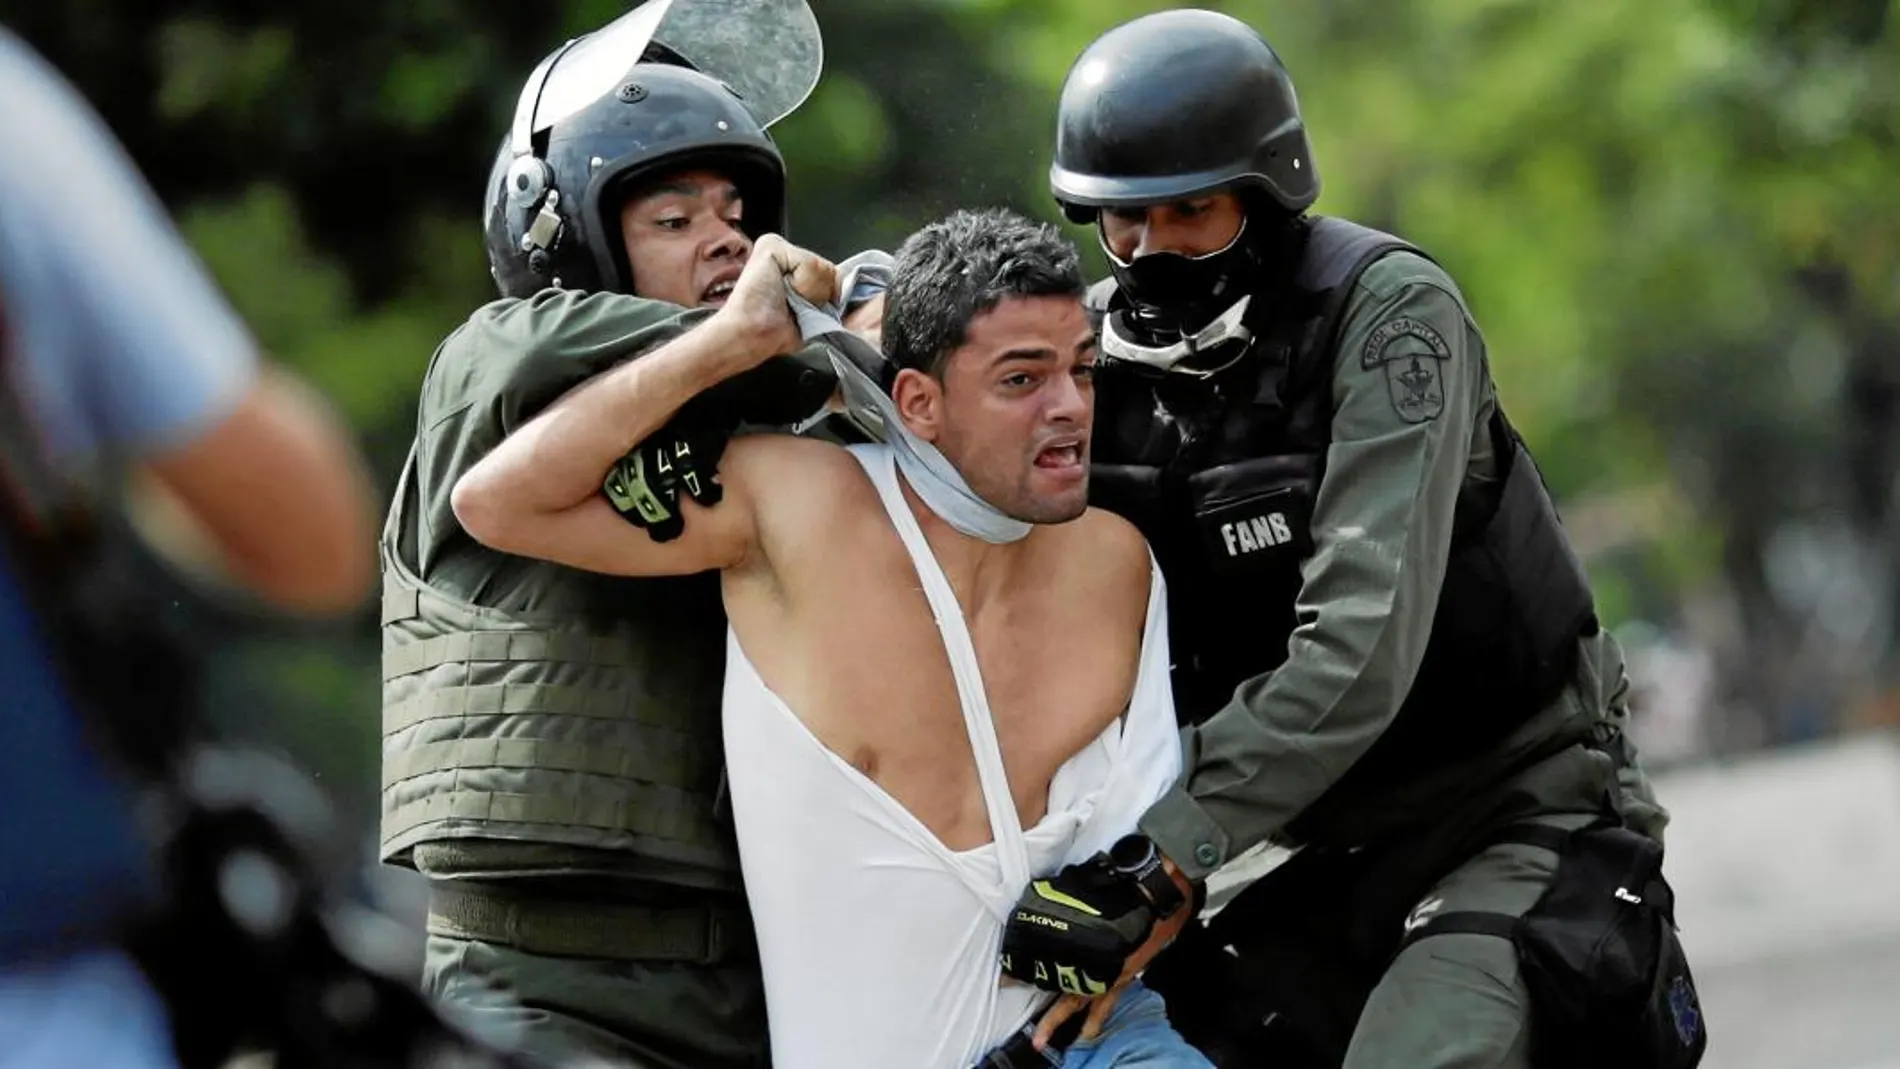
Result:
[{"x": 1185, "y": 291}]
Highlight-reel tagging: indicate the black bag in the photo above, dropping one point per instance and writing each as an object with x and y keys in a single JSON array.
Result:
[{"x": 1608, "y": 979}]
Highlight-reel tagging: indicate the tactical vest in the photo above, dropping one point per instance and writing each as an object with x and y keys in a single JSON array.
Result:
[
  {"x": 594, "y": 728},
  {"x": 1221, "y": 475}
]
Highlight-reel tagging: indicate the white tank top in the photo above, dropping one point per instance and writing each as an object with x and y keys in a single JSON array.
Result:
[{"x": 879, "y": 943}]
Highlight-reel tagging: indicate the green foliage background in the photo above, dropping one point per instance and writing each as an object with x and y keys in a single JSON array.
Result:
[{"x": 1675, "y": 219}]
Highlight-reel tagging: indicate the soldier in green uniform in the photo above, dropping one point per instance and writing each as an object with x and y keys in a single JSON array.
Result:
[
  {"x": 1386, "y": 652},
  {"x": 551, "y": 749}
]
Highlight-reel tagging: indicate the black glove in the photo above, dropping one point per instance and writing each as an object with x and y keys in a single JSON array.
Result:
[
  {"x": 644, "y": 487},
  {"x": 1074, "y": 931}
]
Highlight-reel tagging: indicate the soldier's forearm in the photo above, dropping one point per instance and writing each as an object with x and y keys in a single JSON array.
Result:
[
  {"x": 556, "y": 460},
  {"x": 1287, "y": 737},
  {"x": 1409, "y": 388}
]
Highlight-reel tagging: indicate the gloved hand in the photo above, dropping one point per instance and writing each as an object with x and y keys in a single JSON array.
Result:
[
  {"x": 644, "y": 487},
  {"x": 1074, "y": 931},
  {"x": 785, "y": 391}
]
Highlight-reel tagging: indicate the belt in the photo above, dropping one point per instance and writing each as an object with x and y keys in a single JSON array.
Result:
[{"x": 578, "y": 928}]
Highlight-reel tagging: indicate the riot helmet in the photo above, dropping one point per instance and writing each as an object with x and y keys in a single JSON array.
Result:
[
  {"x": 1174, "y": 105},
  {"x": 650, "y": 94},
  {"x": 1169, "y": 107}
]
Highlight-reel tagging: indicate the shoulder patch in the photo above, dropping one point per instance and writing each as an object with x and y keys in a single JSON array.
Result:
[
  {"x": 1412, "y": 352},
  {"x": 1385, "y": 277}
]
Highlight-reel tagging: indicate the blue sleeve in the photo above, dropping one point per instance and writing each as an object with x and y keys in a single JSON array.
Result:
[{"x": 122, "y": 342}]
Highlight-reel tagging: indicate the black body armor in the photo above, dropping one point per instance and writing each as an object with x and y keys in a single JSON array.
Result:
[{"x": 1221, "y": 474}]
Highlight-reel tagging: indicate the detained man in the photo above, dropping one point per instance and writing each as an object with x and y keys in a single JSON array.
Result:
[{"x": 946, "y": 676}]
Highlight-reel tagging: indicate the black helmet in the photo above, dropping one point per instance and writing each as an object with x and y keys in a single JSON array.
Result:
[
  {"x": 1174, "y": 105},
  {"x": 589, "y": 127}
]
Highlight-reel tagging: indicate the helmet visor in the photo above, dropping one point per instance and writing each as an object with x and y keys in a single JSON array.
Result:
[{"x": 769, "y": 51}]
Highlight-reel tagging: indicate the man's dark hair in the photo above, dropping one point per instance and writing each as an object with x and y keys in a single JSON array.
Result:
[{"x": 960, "y": 267}]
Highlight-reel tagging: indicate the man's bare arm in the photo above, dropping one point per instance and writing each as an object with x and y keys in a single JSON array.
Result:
[
  {"x": 730, "y": 535},
  {"x": 277, "y": 496},
  {"x": 538, "y": 492},
  {"x": 556, "y": 460}
]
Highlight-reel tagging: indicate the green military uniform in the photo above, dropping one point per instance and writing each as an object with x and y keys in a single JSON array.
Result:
[
  {"x": 1413, "y": 399},
  {"x": 1384, "y": 645},
  {"x": 551, "y": 747}
]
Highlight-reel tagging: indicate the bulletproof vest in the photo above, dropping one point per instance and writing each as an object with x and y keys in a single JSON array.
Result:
[
  {"x": 595, "y": 728},
  {"x": 1221, "y": 475}
]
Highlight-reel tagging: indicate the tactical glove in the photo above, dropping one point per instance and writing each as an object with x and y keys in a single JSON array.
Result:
[
  {"x": 644, "y": 487},
  {"x": 1074, "y": 931}
]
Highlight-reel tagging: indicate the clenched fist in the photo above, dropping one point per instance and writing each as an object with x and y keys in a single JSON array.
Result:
[{"x": 757, "y": 311}]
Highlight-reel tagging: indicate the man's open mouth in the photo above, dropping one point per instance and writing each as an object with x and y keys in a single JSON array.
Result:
[
  {"x": 1060, "y": 456},
  {"x": 718, "y": 291}
]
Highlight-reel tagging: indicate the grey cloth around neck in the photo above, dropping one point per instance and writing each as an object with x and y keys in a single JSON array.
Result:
[{"x": 868, "y": 403}]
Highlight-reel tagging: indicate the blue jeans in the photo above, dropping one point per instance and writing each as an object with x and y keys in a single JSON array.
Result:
[{"x": 1136, "y": 1034}]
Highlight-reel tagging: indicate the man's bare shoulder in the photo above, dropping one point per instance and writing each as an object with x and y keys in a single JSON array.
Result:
[
  {"x": 1115, "y": 538},
  {"x": 786, "y": 474},
  {"x": 805, "y": 495},
  {"x": 1112, "y": 552},
  {"x": 771, "y": 453}
]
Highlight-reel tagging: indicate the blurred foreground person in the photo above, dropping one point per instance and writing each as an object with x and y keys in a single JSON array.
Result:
[
  {"x": 551, "y": 746},
  {"x": 149, "y": 915},
  {"x": 1386, "y": 653}
]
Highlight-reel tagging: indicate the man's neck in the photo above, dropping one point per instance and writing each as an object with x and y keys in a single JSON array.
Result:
[{"x": 976, "y": 569}]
